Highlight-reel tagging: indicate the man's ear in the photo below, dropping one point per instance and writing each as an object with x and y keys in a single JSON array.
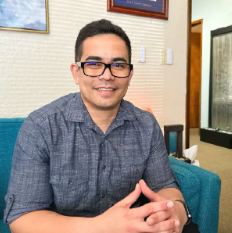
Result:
[{"x": 74, "y": 69}]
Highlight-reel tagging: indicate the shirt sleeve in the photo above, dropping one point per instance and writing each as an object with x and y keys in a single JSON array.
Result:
[
  {"x": 29, "y": 188},
  {"x": 158, "y": 173}
]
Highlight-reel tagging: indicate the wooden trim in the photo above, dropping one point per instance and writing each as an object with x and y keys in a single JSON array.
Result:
[
  {"x": 200, "y": 80},
  {"x": 189, "y": 24},
  {"x": 197, "y": 22},
  {"x": 132, "y": 11}
]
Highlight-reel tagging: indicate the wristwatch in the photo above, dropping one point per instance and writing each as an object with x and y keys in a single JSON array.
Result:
[{"x": 189, "y": 216}]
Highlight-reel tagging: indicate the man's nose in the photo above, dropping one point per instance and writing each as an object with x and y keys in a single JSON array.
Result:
[{"x": 107, "y": 74}]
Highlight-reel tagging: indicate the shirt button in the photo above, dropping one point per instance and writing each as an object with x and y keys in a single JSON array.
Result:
[
  {"x": 70, "y": 182},
  {"x": 104, "y": 167},
  {"x": 137, "y": 172},
  {"x": 102, "y": 196}
]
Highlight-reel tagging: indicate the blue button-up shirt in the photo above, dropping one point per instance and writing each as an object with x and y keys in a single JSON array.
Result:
[{"x": 64, "y": 162}]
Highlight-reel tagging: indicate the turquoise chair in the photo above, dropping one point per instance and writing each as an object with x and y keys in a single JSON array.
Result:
[
  {"x": 8, "y": 133},
  {"x": 201, "y": 188}
]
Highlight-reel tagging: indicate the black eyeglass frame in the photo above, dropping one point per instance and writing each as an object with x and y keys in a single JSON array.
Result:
[{"x": 81, "y": 64}]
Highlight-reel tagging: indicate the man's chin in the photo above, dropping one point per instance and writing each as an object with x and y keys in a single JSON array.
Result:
[{"x": 108, "y": 106}]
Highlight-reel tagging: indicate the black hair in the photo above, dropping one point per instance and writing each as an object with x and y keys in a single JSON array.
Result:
[{"x": 100, "y": 27}]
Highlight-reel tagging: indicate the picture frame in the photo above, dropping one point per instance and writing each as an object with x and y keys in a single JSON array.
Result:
[
  {"x": 147, "y": 8},
  {"x": 24, "y": 16}
]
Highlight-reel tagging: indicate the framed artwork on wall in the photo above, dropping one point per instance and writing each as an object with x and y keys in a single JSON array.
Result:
[
  {"x": 148, "y": 8},
  {"x": 24, "y": 15}
]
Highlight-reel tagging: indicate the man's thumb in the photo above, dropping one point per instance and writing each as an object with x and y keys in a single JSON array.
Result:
[
  {"x": 132, "y": 197},
  {"x": 149, "y": 193}
]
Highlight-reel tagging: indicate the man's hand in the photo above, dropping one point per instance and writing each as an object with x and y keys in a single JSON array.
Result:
[
  {"x": 122, "y": 219},
  {"x": 163, "y": 215}
]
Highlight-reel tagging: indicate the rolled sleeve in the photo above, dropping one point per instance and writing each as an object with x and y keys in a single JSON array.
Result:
[
  {"x": 29, "y": 188},
  {"x": 158, "y": 173}
]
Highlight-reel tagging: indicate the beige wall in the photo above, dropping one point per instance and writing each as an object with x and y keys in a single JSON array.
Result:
[
  {"x": 34, "y": 68},
  {"x": 175, "y": 37}
]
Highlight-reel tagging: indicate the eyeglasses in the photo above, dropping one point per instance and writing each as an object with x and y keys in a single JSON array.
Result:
[{"x": 95, "y": 69}]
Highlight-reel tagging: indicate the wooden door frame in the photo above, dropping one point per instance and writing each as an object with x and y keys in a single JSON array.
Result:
[
  {"x": 195, "y": 23},
  {"x": 189, "y": 25}
]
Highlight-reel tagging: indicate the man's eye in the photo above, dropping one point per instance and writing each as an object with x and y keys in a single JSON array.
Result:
[
  {"x": 91, "y": 63},
  {"x": 118, "y": 65}
]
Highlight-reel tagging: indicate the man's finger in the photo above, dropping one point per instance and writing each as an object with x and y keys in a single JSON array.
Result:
[
  {"x": 151, "y": 208},
  {"x": 158, "y": 217},
  {"x": 170, "y": 231},
  {"x": 131, "y": 198},
  {"x": 165, "y": 226},
  {"x": 149, "y": 193}
]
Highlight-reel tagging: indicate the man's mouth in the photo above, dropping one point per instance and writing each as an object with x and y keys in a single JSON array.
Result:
[{"x": 105, "y": 89}]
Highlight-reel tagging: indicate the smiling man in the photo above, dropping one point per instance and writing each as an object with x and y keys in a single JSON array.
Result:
[
  {"x": 85, "y": 162},
  {"x": 103, "y": 75}
]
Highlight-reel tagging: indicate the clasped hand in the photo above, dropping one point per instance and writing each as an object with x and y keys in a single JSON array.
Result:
[{"x": 121, "y": 218}]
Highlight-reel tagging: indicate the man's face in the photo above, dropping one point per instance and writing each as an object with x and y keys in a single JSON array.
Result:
[{"x": 104, "y": 92}]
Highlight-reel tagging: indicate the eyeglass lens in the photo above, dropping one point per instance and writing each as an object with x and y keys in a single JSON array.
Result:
[{"x": 96, "y": 69}]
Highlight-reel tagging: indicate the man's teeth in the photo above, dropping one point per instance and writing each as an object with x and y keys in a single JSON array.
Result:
[{"x": 105, "y": 89}]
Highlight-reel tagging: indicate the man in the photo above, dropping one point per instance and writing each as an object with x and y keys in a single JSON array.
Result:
[{"x": 82, "y": 162}]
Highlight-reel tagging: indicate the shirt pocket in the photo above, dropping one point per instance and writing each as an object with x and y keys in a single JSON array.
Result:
[
  {"x": 70, "y": 191},
  {"x": 125, "y": 178},
  {"x": 133, "y": 175},
  {"x": 137, "y": 170}
]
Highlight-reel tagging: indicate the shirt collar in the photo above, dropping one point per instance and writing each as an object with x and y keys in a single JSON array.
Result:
[{"x": 78, "y": 113}]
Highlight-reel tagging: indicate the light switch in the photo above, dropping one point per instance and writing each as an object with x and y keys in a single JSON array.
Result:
[
  {"x": 142, "y": 53},
  {"x": 169, "y": 56}
]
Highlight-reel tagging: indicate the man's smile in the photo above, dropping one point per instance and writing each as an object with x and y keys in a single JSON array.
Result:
[{"x": 105, "y": 89}]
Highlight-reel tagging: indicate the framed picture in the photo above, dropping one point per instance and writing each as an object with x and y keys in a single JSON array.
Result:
[
  {"x": 24, "y": 15},
  {"x": 148, "y": 8}
]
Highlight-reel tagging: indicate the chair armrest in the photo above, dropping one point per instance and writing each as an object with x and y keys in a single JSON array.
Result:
[{"x": 210, "y": 186}]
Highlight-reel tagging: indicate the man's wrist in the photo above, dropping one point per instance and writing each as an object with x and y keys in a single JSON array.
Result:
[{"x": 184, "y": 211}]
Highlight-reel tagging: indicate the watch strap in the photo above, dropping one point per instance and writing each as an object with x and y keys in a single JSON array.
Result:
[{"x": 189, "y": 216}]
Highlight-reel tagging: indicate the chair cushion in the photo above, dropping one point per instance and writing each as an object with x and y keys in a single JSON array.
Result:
[
  {"x": 4, "y": 228},
  {"x": 8, "y": 134},
  {"x": 172, "y": 142}
]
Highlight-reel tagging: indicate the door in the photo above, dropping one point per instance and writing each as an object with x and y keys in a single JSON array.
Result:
[{"x": 195, "y": 74}]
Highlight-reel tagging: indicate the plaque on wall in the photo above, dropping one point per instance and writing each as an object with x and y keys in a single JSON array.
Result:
[{"x": 148, "y": 8}]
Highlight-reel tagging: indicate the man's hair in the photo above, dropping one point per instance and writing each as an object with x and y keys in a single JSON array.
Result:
[{"x": 100, "y": 27}]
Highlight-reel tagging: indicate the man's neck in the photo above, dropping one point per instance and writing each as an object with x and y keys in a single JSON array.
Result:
[{"x": 102, "y": 118}]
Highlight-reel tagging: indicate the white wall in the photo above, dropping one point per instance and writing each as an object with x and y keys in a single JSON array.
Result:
[
  {"x": 34, "y": 68},
  {"x": 215, "y": 14},
  {"x": 175, "y": 75}
]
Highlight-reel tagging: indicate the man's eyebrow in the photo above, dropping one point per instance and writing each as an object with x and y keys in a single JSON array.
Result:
[
  {"x": 119, "y": 59},
  {"x": 96, "y": 58}
]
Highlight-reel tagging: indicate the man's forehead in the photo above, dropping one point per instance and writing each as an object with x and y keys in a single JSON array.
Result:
[{"x": 102, "y": 47}]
